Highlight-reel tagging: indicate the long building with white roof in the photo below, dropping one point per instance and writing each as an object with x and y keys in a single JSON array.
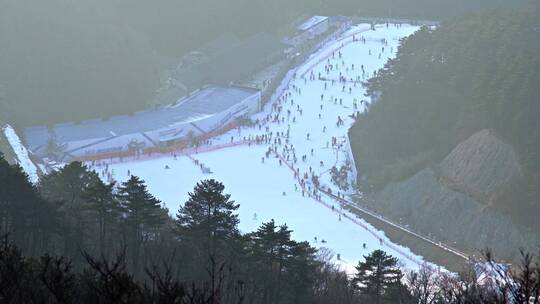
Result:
[
  {"x": 206, "y": 110},
  {"x": 308, "y": 29}
]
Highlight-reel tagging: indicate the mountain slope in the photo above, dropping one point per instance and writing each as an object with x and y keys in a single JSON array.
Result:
[
  {"x": 454, "y": 201},
  {"x": 479, "y": 72}
]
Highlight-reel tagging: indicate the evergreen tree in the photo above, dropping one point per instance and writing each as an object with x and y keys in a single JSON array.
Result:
[
  {"x": 208, "y": 224},
  {"x": 68, "y": 184},
  {"x": 281, "y": 267},
  {"x": 66, "y": 187},
  {"x": 24, "y": 215},
  {"x": 272, "y": 246},
  {"x": 302, "y": 267},
  {"x": 209, "y": 212},
  {"x": 104, "y": 206},
  {"x": 379, "y": 277},
  {"x": 142, "y": 216},
  {"x": 208, "y": 216}
]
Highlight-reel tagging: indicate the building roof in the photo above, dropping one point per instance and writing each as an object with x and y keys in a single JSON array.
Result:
[
  {"x": 311, "y": 22},
  {"x": 169, "y": 95},
  {"x": 204, "y": 103}
]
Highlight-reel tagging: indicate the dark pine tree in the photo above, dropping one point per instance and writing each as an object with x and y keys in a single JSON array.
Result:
[
  {"x": 209, "y": 212},
  {"x": 208, "y": 224},
  {"x": 67, "y": 186},
  {"x": 302, "y": 270},
  {"x": 142, "y": 215},
  {"x": 283, "y": 269},
  {"x": 24, "y": 215},
  {"x": 379, "y": 278},
  {"x": 104, "y": 208}
]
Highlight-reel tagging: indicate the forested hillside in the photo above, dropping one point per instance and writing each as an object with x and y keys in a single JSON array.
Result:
[
  {"x": 473, "y": 73},
  {"x": 61, "y": 60},
  {"x": 74, "y": 239}
]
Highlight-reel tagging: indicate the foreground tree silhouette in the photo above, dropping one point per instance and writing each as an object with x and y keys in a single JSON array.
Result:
[
  {"x": 522, "y": 283},
  {"x": 379, "y": 277},
  {"x": 209, "y": 225},
  {"x": 142, "y": 216},
  {"x": 67, "y": 186},
  {"x": 30, "y": 220},
  {"x": 272, "y": 246},
  {"x": 101, "y": 202}
]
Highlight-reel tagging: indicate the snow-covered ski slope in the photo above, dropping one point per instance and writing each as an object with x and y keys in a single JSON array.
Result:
[
  {"x": 23, "y": 158},
  {"x": 269, "y": 190}
]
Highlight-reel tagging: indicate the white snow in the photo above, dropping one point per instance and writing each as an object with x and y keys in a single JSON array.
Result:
[
  {"x": 267, "y": 190},
  {"x": 21, "y": 152}
]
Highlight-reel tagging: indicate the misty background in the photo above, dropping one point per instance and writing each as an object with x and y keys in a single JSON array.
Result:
[{"x": 64, "y": 60}]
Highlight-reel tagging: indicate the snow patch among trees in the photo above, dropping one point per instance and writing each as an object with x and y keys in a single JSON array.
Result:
[{"x": 23, "y": 157}]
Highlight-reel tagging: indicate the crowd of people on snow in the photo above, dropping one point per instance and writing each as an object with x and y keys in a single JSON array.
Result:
[{"x": 277, "y": 127}]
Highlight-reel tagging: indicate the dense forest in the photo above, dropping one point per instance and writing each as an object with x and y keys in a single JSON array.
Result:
[
  {"x": 473, "y": 73},
  {"x": 61, "y": 60},
  {"x": 74, "y": 239}
]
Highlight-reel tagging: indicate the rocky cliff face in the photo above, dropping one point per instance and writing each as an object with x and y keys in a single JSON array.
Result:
[
  {"x": 482, "y": 166},
  {"x": 454, "y": 201}
]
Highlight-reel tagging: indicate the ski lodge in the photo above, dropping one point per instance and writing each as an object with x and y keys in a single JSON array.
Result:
[
  {"x": 203, "y": 98},
  {"x": 206, "y": 110},
  {"x": 309, "y": 29}
]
